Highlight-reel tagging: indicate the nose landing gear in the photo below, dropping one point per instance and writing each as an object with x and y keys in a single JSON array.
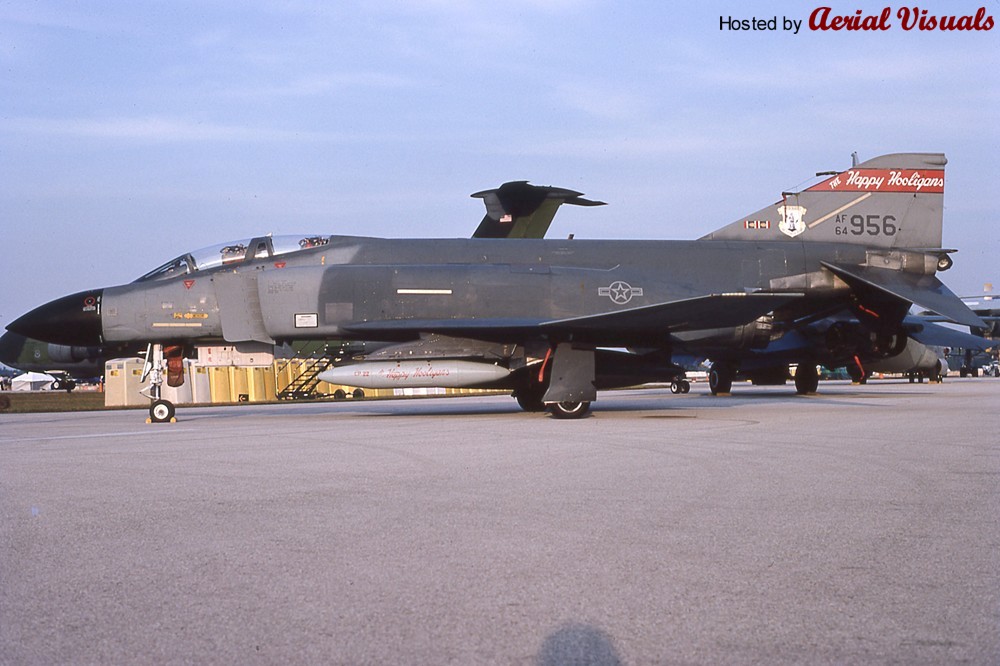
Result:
[{"x": 160, "y": 410}]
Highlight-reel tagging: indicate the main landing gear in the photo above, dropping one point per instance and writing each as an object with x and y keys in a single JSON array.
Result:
[
  {"x": 562, "y": 384},
  {"x": 806, "y": 379},
  {"x": 530, "y": 400},
  {"x": 720, "y": 379},
  {"x": 161, "y": 411}
]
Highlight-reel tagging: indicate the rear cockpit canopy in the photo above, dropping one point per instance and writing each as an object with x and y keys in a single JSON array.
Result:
[{"x": 234, "y": 252}]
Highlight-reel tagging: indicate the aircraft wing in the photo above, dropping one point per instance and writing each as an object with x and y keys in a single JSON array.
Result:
[
  {"x": 924, "y": 290},
  {"x": 699, "y": 313}
]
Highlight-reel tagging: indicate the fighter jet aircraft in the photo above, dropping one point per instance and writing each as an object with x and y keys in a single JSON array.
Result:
[
  {"x": 543, "y": 318},
  {"x": 840, "y": 342},
  {"x": 926, "y": 358},
  {"x": 65, "y": 362},
  {"x": 520, "y": 210}
]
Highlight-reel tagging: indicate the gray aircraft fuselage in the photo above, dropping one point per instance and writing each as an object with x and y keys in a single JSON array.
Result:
[{"x": 316, "y": 293}]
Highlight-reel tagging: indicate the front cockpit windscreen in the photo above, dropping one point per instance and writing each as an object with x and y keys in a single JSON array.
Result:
[{"x": 233, "y": 253}]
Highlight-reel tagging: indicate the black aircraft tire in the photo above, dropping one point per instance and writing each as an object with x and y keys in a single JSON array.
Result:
[
  {"x": 530, "y": 402},
  {"x": 806, "y": 379},
  {"x": 569, "y": 410},
  {"x": 720, "y": 380},
  {"x": 675, "y": 388},
  {"x": 161, "y": 411},
  {"x": 339, "y": 394},
  {"x": 357, "y": 394},
  {"x": 685, "y": 386}
]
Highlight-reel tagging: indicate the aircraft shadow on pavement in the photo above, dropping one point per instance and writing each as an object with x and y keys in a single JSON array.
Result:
[
  {"x": 662, "y": 404},
  {"x": 578, "y": 644}
]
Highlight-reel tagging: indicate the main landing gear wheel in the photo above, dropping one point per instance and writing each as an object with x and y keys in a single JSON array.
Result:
[
  {"x": 569, "y": 410},
  {"x": 680, "y": 386},
  {"x": 529, "y": 395},
  {"x": 720, "y": 379},
  {"x": 806, "y": 379},
  {"x": 161, "y": 411},
  {"x": 936, "y": 377}
]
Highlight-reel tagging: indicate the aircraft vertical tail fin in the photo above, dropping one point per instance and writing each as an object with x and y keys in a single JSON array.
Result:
[
  {"x": 521, "y": 210},
  {"x": 891, "y": 201}
]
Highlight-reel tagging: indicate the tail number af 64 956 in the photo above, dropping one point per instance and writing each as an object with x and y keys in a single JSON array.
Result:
[{"x": 872, "y": 225}]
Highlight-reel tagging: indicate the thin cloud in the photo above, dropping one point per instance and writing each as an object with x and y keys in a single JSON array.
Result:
[
  {"x": 325, "y": 84},
  {"x": 907, "y": 66},
  {"x": 603, "y": 102},
  {"x": 653, "y": 143},
  {"x": 162, "y": 129}
]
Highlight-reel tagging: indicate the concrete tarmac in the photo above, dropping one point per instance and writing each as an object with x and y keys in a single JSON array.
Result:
[{"x": 861, "y": 525}]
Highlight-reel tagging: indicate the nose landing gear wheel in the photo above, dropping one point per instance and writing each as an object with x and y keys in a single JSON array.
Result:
[
  {"x": 569, "y": 410},
  {"x": 161, "y": 411}
]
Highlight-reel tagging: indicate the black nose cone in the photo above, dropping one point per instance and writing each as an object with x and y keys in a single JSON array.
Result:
[
  {"x": 70, "y": 320},
  {"x": 11, "y": 346}
]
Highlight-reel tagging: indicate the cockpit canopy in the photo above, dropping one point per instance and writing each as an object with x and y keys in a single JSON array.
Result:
[{"x": 234, "y": 252}]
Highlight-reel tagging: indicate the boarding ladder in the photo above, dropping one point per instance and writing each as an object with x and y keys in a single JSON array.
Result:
[{"x": 303, "y": 385}]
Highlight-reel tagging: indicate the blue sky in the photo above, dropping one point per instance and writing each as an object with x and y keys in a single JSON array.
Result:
[{"x": 132, "y": 132}]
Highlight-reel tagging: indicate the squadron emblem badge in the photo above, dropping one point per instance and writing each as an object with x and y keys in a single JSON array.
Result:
[{"x": 792, "y": 223}]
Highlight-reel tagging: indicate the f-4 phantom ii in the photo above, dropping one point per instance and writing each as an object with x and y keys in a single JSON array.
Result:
[{"x": 547, "y": 319}]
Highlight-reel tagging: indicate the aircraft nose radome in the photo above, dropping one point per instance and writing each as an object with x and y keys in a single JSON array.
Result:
[
  {"x": 11, "y": 345},
  {"x": 70, "y": 320}
]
